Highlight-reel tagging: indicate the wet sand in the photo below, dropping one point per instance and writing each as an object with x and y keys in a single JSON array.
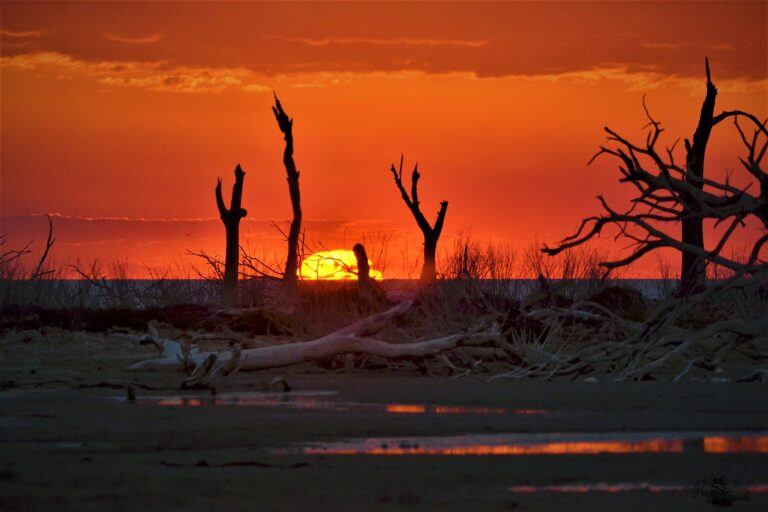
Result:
[{"x": 71, "y": 440}]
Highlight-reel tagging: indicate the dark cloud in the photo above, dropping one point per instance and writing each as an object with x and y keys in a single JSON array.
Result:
[{"x": 487, "y": 39}]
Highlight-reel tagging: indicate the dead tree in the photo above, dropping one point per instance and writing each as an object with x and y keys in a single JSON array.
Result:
[
  {"x": 7, "y": 257},
  {"x": 669, "y": 194},
  {"x": 431, "y": 232},
  {"x": 693, "y": 270},
  {"x": 39, "y": 271},
  {"x": 366, "y": 286},
  {"x": 9, "y": 270},
  {"x": 231, "y": 219},
  {"x": 290, "y": 275}
]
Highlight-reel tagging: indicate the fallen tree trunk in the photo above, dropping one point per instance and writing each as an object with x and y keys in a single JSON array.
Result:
[
  {"x": 354, "y": 338},
  {"x": 285, "y": 355},
  {"x": 294, "y": 353},
  {"x": 584, "y": 340}
]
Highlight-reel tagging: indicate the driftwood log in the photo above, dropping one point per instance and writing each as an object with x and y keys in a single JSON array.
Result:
[
  {"x": 676, "y": 339},
  {"x": 354, "y": 338}
]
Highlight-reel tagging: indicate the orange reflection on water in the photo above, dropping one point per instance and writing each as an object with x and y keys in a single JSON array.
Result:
[
  {"x": 455, "y": 409},
  {"x": 320, "y": 400},
  {"x": 555, "y": 448},
  {"x": 406, "y": 409},
  {"x": 308, "y": 400},
  {"x": 721, "y": 444},
  {"x": 460, "y": 409},
  {"x": 180, "y": 402},
  {"x": 296, "y": 402}
]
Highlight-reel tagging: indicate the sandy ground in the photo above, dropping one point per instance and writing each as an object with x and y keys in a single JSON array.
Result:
[{"x": 69, "y": 441}]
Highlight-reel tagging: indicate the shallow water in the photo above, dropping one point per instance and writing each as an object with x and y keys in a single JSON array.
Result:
[
  {"x": 78, "y": 449},
  {"x": 295, "y": 400},
  {"x": 323, "y": 400},
  {"x": 546, "y": 444},
  {"x": 618, "y": 487}
]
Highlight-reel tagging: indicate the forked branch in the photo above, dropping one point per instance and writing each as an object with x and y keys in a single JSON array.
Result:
[
  {"x": 668, "y": 194},
  {"x": 431, "y": 232}
]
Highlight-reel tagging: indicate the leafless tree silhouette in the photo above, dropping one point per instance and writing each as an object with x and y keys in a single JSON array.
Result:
[
  {"x": 431, "y": 232},
  {"x": 231, "y": 219},
  {"x": 669, "y": 193},
  {"x": 11, "y": 256},
  {"x": 694, "y": 268},
  {"x": 8, "y": 256},
  {"x": 39, "y": 271},
  {"x": 285, "y": 124}
]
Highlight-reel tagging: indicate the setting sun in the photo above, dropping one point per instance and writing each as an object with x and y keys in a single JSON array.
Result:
[
  {"x": 198, "y": 202},
  {"x": 336, "y": 265}
]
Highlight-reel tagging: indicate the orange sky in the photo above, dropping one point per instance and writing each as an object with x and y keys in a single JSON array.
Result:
[{"x": 119, "y": 117}]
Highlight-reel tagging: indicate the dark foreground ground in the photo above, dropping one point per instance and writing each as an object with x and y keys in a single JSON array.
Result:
[{"x": 71, "y": 440}]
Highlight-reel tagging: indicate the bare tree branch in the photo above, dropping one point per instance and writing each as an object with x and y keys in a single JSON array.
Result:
[
  {"x": 668, "y": 194},
  {"x": 431, "y": 232},
  {"x": 290, "y": 276}
]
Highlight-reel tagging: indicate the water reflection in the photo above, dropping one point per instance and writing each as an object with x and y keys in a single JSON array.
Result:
[
  {"x": 721, "y": 444},
  {"x": 323, "y": 400},
  {"x": 455, "y": 409},
  {"x": 314, "y": 400},
  {"x": 619, "y": 487},
  {"x": 546, "y": 444},
  {"x": 406, "y": 409}
]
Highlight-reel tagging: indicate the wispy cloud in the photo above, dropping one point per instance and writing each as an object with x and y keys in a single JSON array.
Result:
[
  {"x": 120, "y": 218},
  {"x": 153, "y": 38},
  {"x": 161, "y": 76},
  {"x": 23, "y": 34},
  {"x": 39, "y": 60},
  {"x": 186, "y": 80},
  {"x": 645, "y": 79},
  {"x": 675, "y": 46},
  {"x": 74, "y": 229},
  {"x": 154, "y": 76},
  {"x": 493, "y": 39},
  {"x": 327, "y": 41}
]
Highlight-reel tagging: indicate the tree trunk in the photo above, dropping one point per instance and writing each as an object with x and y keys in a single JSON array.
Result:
[
  {"x": 229, "y": 292},
  {"x": 292, "y": 261},
  {"x": 694, "y": 268},
  {"x": 290, "y": 275},
  {"x": 354, "y": 338},
  {"x": 431, "y": 232},
  {"x": 365, "y": 285},
  {"x": 429, "y": 270},
  {"x": 231, "y": 219}
]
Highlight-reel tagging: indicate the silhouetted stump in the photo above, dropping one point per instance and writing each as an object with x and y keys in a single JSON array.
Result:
[
  {"x": 231, "y": 218},
  {"x": 367, "y": 288}
]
